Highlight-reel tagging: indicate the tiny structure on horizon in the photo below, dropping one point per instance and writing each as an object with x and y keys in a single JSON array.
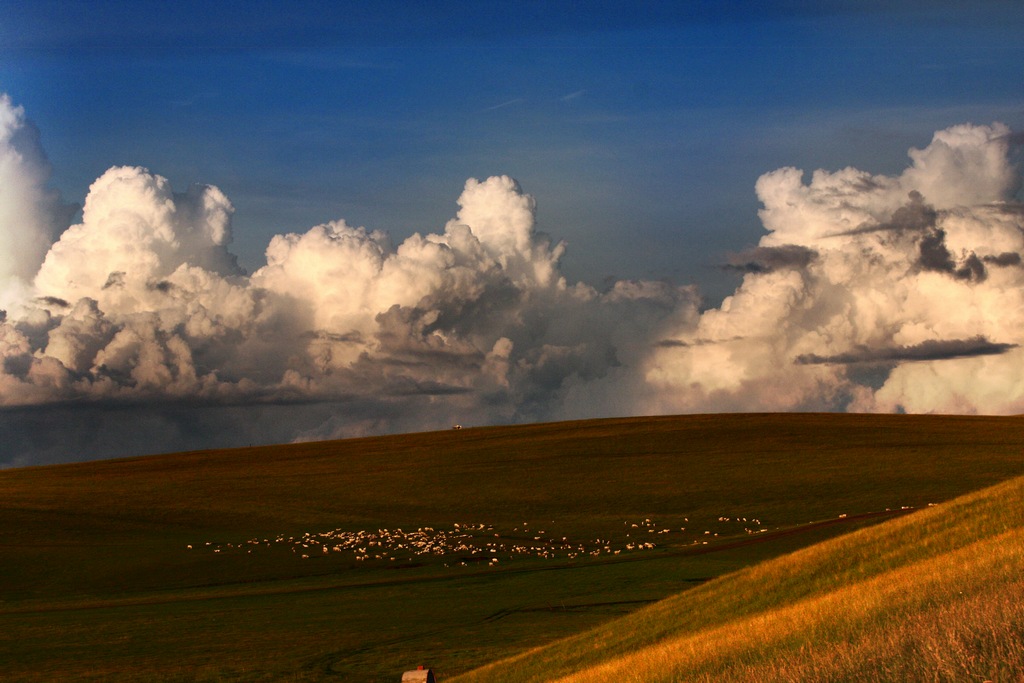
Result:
[
  {"x": 456, "y": 426},
  {"x": 418, "y": 675}
]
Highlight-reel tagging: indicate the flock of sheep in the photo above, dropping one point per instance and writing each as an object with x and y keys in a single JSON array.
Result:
[{"x": 473, "y": 544}]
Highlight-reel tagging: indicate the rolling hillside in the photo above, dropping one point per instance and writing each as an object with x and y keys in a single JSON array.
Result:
[
  {"x": 364, "y": 557},
  {"x": 938, "y": 595}
]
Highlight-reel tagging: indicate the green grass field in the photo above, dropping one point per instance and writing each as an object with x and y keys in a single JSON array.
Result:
[{"x": 452, "y": 549}]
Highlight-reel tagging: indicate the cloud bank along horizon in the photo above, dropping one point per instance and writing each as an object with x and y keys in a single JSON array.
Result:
[{"x": 866, "y": 293}]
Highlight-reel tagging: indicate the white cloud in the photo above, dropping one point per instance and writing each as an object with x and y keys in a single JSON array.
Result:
[
  {"x": 930, "y": 256},
  {"x": 29, "y": 213},
  {"x": 867, "y": 292}
]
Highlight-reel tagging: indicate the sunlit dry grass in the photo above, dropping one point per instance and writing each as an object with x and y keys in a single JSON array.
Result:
[
  {"x": 882, "y": 629},
  {"x": 978, "y": 637}
]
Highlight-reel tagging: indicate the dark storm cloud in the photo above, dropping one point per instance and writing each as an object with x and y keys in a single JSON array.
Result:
[
  {"x": 163, "y": 286},
  {"x": 936, "y": 256},
  {"x": 939, "y": 349},
  {"x": 115, "y": 279},
  {"x": 353, "y": 337},
  {"x": 679, "y": 343},
  {"x": 769, "y": 259},
  {"x": 933, "y": 253},
  {"x": 53, "y": 301},
  {"x": 915, "y": 216},
  {"x": 1004, "y": 260}
]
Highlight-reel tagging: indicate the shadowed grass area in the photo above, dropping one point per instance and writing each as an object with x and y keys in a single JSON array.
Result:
[{"x": 538, "y": 532}]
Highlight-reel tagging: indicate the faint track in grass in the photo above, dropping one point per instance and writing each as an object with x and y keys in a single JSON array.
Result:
[
  {"x": 573, "y": 607},
  {"x": 334, "y": 663}
]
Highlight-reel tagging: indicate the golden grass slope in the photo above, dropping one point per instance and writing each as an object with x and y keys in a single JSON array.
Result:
[{"x": 934, "y": 596}]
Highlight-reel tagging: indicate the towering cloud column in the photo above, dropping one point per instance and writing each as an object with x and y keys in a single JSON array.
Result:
[{"x": 29, "y": 213}]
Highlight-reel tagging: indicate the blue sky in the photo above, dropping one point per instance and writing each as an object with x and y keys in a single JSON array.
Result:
[{"x": 639, "y": 128}]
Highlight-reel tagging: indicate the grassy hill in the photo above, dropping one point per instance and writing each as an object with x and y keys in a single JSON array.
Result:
[
  {"x": 365, "y": 557},
  {"x": 938, "y": 595}
]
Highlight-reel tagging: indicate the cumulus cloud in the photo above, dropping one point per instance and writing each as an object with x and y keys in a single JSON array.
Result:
[
  {"x": 866, "y": 292},
  {"x": 920, "y": 271},
  {"x": 30, "y": 214},
  {"x": 141, "y": 307}
]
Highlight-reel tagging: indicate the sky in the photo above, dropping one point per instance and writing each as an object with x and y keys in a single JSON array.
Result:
[{"x": 234, "y": 223}]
